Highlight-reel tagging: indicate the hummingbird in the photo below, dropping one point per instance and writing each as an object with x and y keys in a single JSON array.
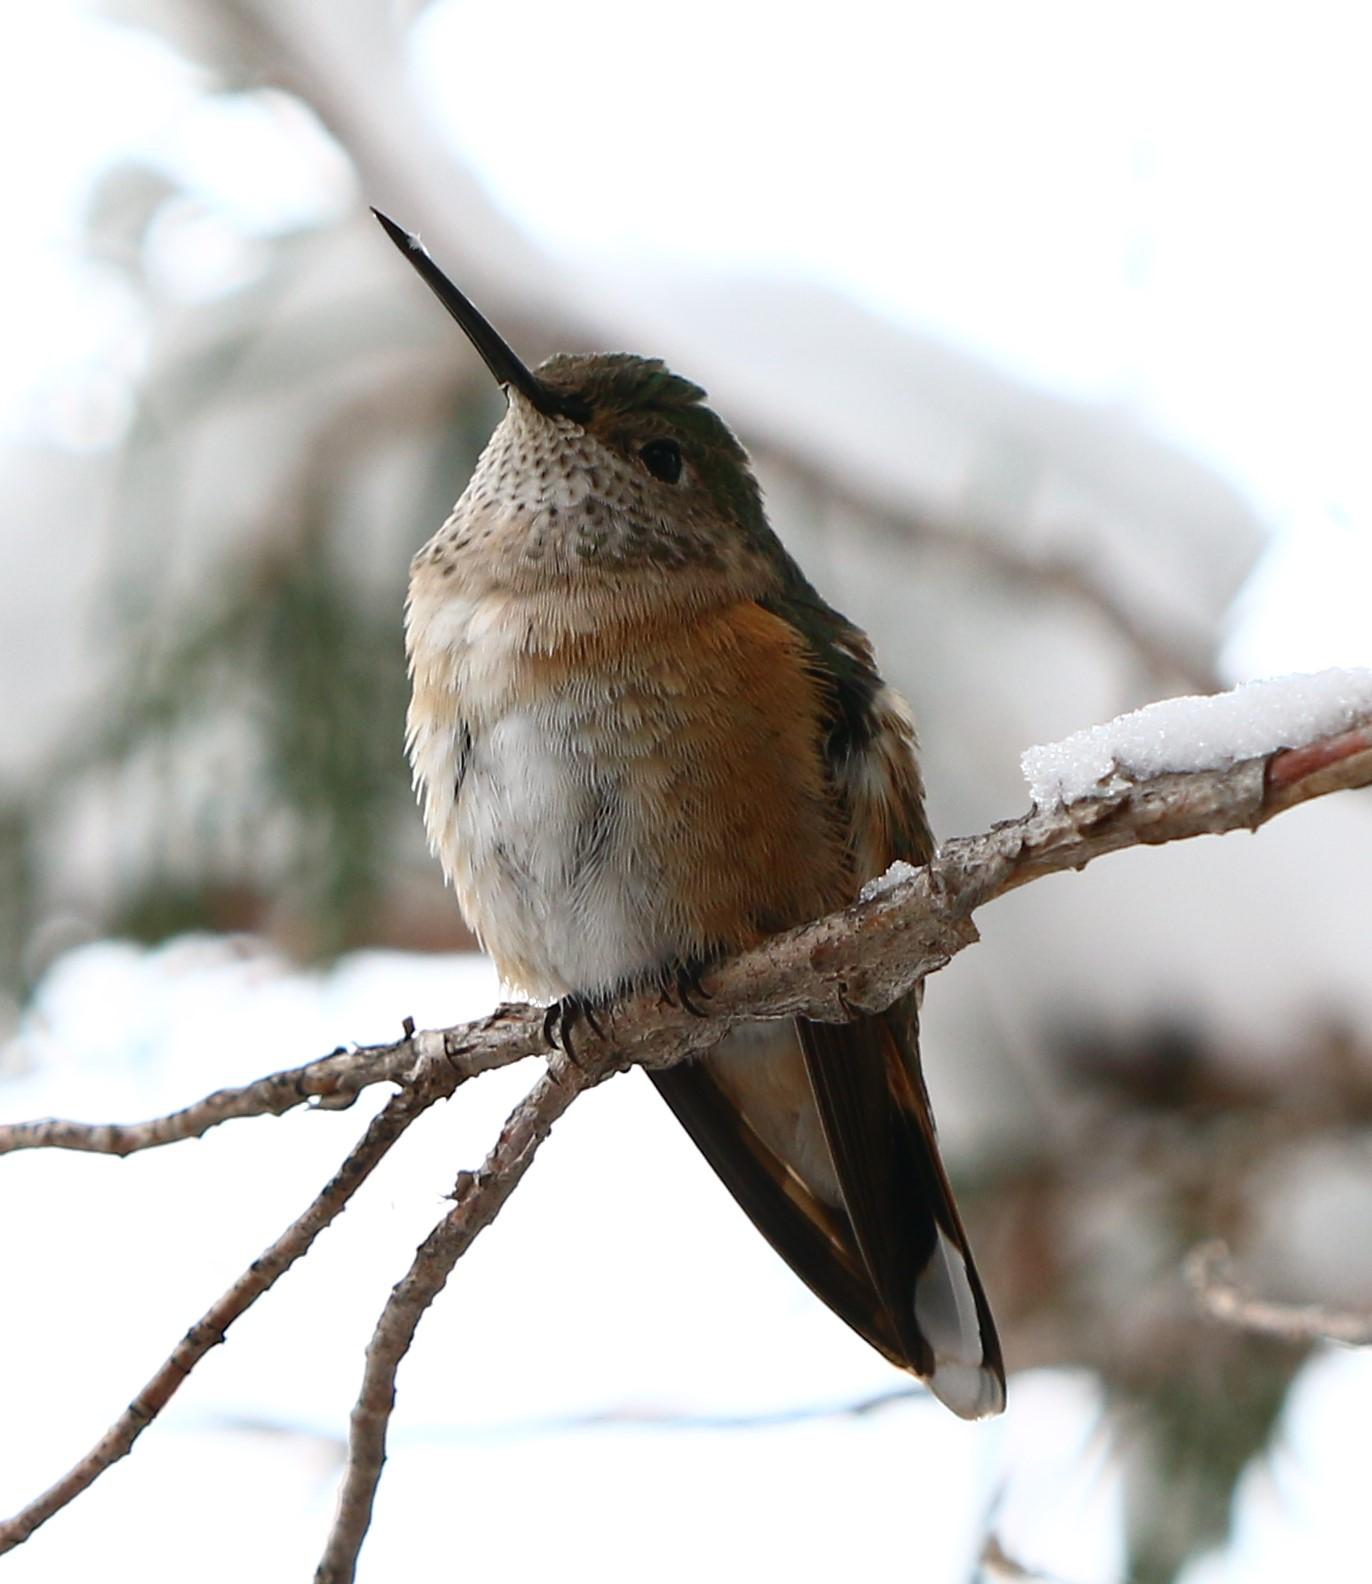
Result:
[{"x": 644, "y": 742}]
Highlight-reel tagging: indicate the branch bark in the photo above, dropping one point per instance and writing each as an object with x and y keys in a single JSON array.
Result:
[
  {"x": 333, "y": 1082},
  {"x": 860, "y": 959}
]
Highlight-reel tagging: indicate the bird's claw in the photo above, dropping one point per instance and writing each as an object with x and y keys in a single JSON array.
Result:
[
  {"x": 681, "y": 984},
  {"x": 562, "y": 1017}
]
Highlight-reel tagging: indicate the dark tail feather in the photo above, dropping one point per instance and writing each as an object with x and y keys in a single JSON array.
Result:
[{"x": 880, "y": 1132}]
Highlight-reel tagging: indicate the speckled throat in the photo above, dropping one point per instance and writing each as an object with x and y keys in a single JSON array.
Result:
[{"x": 551, "y": 499}]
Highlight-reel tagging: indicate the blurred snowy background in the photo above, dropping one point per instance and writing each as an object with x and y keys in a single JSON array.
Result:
[{"x": 1048, "y": 328}]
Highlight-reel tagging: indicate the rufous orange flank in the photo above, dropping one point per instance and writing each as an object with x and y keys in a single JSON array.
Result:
[{"x": 643, "y": 742}]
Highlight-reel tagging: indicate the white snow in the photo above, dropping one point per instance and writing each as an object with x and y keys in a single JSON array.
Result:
[
  {"x": 882, "y": 883},
  {"x": 1191, "y": 733}
]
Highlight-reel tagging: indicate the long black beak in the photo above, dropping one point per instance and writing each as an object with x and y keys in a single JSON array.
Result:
[{"x": 495, "y": 351}]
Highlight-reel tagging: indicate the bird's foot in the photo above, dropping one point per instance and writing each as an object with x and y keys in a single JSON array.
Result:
[
  {"x": 561, "y": 1019},
  {"x": 681, "y": 984}
]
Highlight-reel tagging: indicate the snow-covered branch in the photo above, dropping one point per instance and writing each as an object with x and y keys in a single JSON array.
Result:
[{"x": 1181, "y": 769}]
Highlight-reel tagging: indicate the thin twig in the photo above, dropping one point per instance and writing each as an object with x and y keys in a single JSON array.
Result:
[
  {"x": 333, "y": 1078},
  {"x": 207, "y": 1332},
  {"x": 478, "y": 1198},
  {"x": 639, "y": 1416},
  {"x": 507, "y": 1034},
  {"x": 1209, "y": 1271}
]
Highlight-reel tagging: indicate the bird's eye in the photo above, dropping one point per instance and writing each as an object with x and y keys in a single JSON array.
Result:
[{"x": 662, "y": 458}]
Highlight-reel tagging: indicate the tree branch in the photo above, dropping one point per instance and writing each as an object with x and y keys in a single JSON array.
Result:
[
  {"x": 478, "y": 1198},
  {"x": 862, "y": 958},
  {"x": 207, "y": 1332},
  {"x": 505, "y": 1035},
  {"x": 1210, "y": 1273},
  {"x": 333, "y": 1081},
  {"x": 858, "y": 960}
]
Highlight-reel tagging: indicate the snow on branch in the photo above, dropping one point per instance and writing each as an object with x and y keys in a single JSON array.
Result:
[
  {"x": 1198, "y": 734},
  {"x": 1197, "y": 767}
]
